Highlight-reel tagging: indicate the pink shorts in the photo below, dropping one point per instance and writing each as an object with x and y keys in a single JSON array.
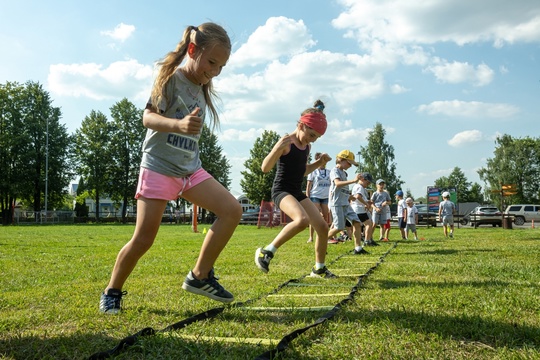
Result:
[{"x": 153, "y": 185}]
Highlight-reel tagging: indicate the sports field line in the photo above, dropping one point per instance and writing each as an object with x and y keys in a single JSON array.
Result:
[
  {"x": 255, "y": 341},
  {"x": 319, "y": 285},
  {"x": 272, "y": 308},
  {"x": 307, "y": 295}
]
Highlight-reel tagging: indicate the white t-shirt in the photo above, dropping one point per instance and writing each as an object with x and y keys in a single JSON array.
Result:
[
  {"x": 320, "y": 187},
  {"x": 357, "y": 206}
]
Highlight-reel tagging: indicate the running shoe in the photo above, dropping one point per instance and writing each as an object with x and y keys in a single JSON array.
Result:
[
  {"x": 322, "y": 273},
  {"x": 111, "y": 302},
  {"x": 207, "y": 287},
  {"x": 371, "y": 243},
  {"x": 362, "y": 251},
  {"x": 333, "y": 241},
  {"x": 262, "y": 259}
]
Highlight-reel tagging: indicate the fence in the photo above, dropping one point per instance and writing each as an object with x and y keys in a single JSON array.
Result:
[{"x": 43, "y": 217}]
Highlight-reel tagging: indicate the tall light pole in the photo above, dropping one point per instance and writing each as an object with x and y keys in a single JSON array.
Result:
[{"x": 46, "y": 167}]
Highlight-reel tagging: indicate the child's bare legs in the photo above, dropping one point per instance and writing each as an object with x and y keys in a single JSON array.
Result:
[
  {"x": 368, "y": 230},
  {"x": 299, "y": 219},
  {"x": 149, "y": 215},
  {"x": 211, "y": 195},
  {"x": 320, "y": 224},
  {"x": 357, "y": 229}
]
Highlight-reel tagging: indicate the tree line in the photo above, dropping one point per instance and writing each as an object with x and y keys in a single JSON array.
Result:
[
  {"x": 515, "y": 161},
  {"x": 38, "y": 156}
]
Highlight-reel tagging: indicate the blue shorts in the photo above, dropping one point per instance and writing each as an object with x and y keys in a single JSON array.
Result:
[{"x": 318, "y": 200}]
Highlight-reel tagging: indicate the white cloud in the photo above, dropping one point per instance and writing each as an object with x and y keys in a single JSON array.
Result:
[
  {"x": 279, "y": 37},
  {"x": 459, "y": 72},
  {"x": 398, "y": 89},
  {"x": 472, "y": 109},
  {"x": 429, "y": 22},
  {"x": 465, "y": 137},
  {"x": 120, "y": 79},
  {"x": 120, "y": 33}
]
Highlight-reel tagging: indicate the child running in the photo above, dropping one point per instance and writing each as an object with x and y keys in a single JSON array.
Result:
[
  {"x": 340, "y": 206},
  {"x": 171, "y": 166},
  {"x": 290, "y": 154}
]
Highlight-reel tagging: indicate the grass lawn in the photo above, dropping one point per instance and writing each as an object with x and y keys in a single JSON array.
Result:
[{"x": 474, "y": 297}]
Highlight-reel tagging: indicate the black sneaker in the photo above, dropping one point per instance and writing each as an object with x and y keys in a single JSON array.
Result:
[
  {"x": 371, "y": 243},
  {"x": 360, "y": 252},
  {"x": 262, "y": 259},
  {"x": 322, "y": 273},
  {"x": 207, "y": 287},
  {"x": 110, "y": 302}
]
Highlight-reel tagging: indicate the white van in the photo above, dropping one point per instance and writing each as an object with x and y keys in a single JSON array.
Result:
[{"x": 524, "y": 213}]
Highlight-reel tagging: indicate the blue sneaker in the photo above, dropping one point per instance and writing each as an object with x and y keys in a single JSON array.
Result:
[{"x": 110, "y": 302}]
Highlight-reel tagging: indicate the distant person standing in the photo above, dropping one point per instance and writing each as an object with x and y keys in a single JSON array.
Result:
[
  {"x": 362, "y": 206},
  {"x": 446, "y": 213},
  {"x": 401, "y": 213},
  {"x": 381, "y": 204},
  {"x": 317, "y": 189},
  {"x": 412, "y": 218}
]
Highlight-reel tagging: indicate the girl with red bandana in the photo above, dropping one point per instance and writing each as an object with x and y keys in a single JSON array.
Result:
[{"x": 291, "y": 154}]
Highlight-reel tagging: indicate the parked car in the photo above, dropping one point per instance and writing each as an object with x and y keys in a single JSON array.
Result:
[
  {"x": 426, "y": 217},
  {"x": 523, "y": 213},
  {"x": 483, "y": 215},
  {"x": 250, "y": 216}
]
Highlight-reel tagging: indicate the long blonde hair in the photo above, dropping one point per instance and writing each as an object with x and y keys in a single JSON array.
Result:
[{"x": 204, "y": 36}]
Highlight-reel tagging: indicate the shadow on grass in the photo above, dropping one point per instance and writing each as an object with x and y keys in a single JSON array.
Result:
[
  {"x": 75, "y": 346},
  {"x": 162, "y": 346},
  {"x": 496, "y": 334}
]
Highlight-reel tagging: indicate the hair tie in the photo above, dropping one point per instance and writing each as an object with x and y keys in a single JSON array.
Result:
[{"x": 320, "y": 107}]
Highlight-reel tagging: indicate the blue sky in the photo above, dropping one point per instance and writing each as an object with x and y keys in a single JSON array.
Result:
[{"x": 444, "y": 78}]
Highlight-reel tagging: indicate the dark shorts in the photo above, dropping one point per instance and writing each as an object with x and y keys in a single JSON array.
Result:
[
  {"x": 363, "y": 217},
  {"x": 402, "y": 223},
  {"x": 278, "y": 196}
]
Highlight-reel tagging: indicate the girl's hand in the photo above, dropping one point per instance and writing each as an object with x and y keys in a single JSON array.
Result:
[
  {"x": 325, "y": 158},
  {"x": 284, "y": 143},
  {"x": 191, "y": 124}
]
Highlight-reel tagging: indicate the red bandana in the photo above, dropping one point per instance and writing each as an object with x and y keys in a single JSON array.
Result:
[{"x": 316, "y": 121}]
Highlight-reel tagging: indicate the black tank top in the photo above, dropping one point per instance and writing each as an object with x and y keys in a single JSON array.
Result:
[{"x": 290, "y": 172}]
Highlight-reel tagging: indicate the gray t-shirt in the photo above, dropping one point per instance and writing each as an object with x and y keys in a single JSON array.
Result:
[
  {"x": 172, "y": 154},
  {"x": 447, "y": 208},
  {"x": 339, "y": 196}
]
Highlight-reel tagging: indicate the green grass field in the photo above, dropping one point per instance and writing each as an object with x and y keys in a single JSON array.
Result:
[{"x": 474, "y": 297}]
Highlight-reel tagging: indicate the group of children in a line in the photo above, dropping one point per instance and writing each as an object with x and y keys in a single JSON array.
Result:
[{"x": 175, "y": 114}]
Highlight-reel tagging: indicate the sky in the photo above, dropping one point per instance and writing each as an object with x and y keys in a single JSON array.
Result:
[{"x": 444, "y": 78}]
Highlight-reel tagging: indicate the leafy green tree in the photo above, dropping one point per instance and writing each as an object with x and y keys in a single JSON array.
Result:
[
  {"x": 27, "y": 118},
  {"x": 466, "y": 191},
  {"x": 48, "y": 149},
  {"x": 126, "y": 142},
  {"x": 11, "y": 148},
  {"x": 515, "y": 161},
  {"x": 255, "y": 184},
  {"x": 92, "y": 156},
  {"x": 377, "y": 158}
]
